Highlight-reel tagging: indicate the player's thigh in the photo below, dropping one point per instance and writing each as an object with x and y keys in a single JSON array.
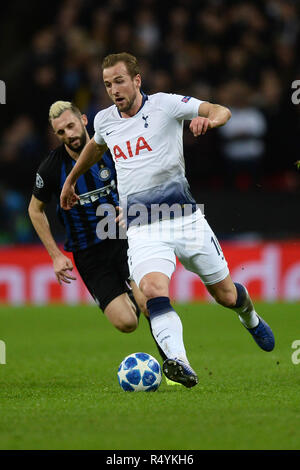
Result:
[
  {"x": 121, "y": 313},
  {"x": 201, "y": 253},
  {"x": 119, "y": 258},
  {"x": 100, "y": 274},
  {"x": 148, "y": 254}
]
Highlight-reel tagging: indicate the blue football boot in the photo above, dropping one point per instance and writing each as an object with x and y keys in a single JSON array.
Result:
[
  {"x": 178, "y": 371},
  {"x": 263, "y": 335}
]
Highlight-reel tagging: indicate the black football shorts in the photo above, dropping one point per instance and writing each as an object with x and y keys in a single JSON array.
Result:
[{"x": 104, "y": 270}]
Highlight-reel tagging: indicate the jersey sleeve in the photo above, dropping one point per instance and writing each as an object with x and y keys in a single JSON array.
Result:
[
  {"x": 43, "y": 185},
  {"x": 97, "y": 136},
  {"x": 179, "y": 106}
]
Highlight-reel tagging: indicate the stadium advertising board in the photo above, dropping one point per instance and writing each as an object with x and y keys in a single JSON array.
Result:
[{"x": 270, "y": 271}]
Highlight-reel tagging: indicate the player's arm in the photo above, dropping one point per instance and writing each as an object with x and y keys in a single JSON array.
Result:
[
  {"x": 61, "y": 263},
  {"x": 209, "y": 116},
  {"x": 91, "y": 154}
]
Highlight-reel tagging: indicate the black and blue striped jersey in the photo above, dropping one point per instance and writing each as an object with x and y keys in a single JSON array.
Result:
[{"x": 96, "y": 186}]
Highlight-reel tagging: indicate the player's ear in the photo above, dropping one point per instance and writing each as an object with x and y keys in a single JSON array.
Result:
[
  {"x": 84, "y": 119},
  {"x": 138, "y": 80}
]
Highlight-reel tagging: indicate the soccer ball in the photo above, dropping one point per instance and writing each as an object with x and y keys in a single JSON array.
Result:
[{"x": 139, "y": 372}]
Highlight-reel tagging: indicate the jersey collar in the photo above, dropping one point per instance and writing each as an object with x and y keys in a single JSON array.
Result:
[{"x": 144, "y": 99}]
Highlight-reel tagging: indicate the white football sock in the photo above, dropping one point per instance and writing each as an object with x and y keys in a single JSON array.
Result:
[
  {"x": 246, "y": 312},
  {"x": 249, "y": 319},
  {"x": 168, "y": 333}
]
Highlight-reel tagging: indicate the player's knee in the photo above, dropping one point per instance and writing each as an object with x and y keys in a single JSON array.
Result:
[
  {"x": 152, "y": 288},
  {"x": 126, "y": 325},
  {"x": 124, "y": 319}
]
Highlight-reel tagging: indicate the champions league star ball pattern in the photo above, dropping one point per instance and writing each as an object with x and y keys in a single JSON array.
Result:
[{"x": 139, "y": 372}]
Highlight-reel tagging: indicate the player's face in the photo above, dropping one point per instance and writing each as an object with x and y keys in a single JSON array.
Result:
[
  {"x": 70, "y": 130},
  {"x": 121, "y": 87}
]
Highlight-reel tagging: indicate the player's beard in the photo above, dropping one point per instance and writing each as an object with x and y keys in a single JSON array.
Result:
[
  {"x": 82, "y": 141},
  {"x": 126, "y": 105}
]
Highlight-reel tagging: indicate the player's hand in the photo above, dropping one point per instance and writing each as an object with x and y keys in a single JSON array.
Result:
[
  {"x": 62, "y": 266},
  {"x": 68, "y": 197},
  {"x": 120, "y": 218},
  {"x": 199, "y": 125}
]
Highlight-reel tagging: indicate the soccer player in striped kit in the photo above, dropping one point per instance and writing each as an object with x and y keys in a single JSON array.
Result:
[{"x": 144, "y": 135}]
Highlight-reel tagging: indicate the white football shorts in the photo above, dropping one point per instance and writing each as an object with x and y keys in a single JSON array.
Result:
[{"x": 154, "y": 247}]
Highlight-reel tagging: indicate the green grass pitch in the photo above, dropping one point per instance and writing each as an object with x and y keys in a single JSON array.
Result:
[{"x": 59, "y": 388}]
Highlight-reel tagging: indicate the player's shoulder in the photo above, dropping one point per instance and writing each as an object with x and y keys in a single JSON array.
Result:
[
  {"x": 47, "y": 174},
  {"x": 53, "y": 160},
  {"x": 104, "y": 114},
  {"x": 163, "y": 99},
  {"x": 156, "y": 97}
]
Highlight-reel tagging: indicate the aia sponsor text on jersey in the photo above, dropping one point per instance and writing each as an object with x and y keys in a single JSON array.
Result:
[{"x": 132, "y": 148}]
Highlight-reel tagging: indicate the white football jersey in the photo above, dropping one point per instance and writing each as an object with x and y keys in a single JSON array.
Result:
[{"x": 148, "y": 148}]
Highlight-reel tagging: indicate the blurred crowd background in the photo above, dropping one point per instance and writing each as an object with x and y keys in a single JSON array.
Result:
[{"x": 242, "y": 54}]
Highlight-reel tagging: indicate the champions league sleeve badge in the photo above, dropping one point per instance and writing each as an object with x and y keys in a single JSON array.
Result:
[
  {"x": 185, "y": 99},
  {"x": 39, "y": 182}
]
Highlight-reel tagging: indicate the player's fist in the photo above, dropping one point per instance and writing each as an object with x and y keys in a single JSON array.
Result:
[
  {"x": 68, "y": 197},
  {"x": 199, "y": 125}
]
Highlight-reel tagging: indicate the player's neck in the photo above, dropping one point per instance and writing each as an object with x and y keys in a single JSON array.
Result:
[
  {"x": 135, "y": 107},
  {"x": 72, "y": 154}
]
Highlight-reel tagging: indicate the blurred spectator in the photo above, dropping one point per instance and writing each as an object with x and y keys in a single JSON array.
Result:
[
  {"x": 243, "y": 137},
  {"x": 67, "y": 15},
  {"x": 44, "y": 89},
  {"x": 160, "y": 81},
  {"x": 146, "y": 32},
  {"x": 21, "y": 150},
  {"x": 15, "y": 226},
  {"x": 101, "y": 28}
]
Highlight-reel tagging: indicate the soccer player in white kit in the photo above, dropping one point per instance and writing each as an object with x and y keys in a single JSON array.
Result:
[{"x": 144, "y": 135}]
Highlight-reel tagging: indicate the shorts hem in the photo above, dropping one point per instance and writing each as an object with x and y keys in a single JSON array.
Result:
[
  {"x": 222, "y": 275},
  {"x": 161, "y": 265}
]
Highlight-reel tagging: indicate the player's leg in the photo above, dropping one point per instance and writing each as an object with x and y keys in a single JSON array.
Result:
[
  {"x": 225, "y": 293},
  {"x": 122, "y": 313},
  {"x": 119, "y": 264},
  {"x": 142, "y": 304},
  {"x": 152, "y": 264},
  {"x": 166, "y": 326},
  {"x": 137, "y": 298},
  {"x": 204, "y": 256},
  {"x": 165, "y": 322},
  {"x": 99, "y": 273},
  {"x": 235, "y": 296}
]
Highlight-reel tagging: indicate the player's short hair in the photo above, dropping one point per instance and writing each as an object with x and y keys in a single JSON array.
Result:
[
  {"x": 57, "y": 108},
  {"x": 129, "y": 60}
]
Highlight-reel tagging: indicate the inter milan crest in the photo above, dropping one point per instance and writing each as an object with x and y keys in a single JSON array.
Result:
[{"x": 104, "y": 174}]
